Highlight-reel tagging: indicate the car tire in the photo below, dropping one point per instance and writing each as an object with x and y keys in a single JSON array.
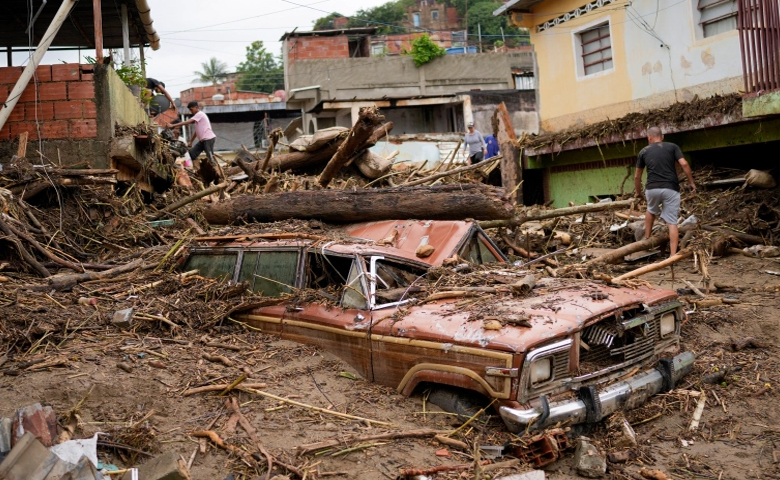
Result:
[{"x": 464, "y": 403}]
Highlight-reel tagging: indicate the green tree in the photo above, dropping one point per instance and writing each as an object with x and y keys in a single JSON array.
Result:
[
  {"x": 259, "y": 72},
  {"x": 212, "y": 71},
  {"x": 384, "y": 17},
  {"x": 424, "y": 50},
  {"x": 481, "y": 18},
  {"x": 326, "y": 22}
]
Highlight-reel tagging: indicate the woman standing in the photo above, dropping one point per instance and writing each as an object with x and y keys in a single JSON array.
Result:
[{"x": 474, "y": 144}]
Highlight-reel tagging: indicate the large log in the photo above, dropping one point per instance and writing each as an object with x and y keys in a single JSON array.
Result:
[
  {"x": 444, "y": 202},
  {"x": 557, "y": 212},
  {"x": 511, "y": 167},
  {"x": 361, "y": 132},
  {"x": 616, "y": 256}
]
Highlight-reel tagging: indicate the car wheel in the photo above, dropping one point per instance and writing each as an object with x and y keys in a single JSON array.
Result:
[{"x": 463, "y": 402}]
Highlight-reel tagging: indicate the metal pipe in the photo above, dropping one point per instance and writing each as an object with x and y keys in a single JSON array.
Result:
[
  {"x": 27, "y": 73},
  {"x": 35, "y": 17},
  {"x": 97, "y": 14},
  {"x": 146, "y": 18}
]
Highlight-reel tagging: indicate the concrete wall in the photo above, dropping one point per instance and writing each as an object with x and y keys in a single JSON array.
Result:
[
  {"x": 230, "y": 136},
  {"x": 580, "y": 183},
  {"x": 398, "y": 77},
  {"x": 645, "y": 74},
  {"x": 521, "y": 106}
]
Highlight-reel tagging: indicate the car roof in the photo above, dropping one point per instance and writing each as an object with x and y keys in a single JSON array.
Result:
[
  {"x": 444, "y": 235},
  {"x": 378, "y": 238}
]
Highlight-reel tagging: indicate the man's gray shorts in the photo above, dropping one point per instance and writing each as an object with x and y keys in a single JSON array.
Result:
[{"x": 669, "y": 202}]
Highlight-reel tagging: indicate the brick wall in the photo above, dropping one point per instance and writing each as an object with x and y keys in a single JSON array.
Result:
[
  {"x": 65, "y": 107},
  {"x": 204, "y": 94},
  {"x": 311, "y": 48}
]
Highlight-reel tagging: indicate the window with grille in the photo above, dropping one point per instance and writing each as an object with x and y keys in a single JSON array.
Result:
[
  {"x": 717, "y": 16},
  {"x": 434, "y": 15},
  {"x": 596, "y": 49}
]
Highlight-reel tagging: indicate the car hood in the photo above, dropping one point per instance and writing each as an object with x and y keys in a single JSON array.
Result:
[{"x": 555, "y": 308}]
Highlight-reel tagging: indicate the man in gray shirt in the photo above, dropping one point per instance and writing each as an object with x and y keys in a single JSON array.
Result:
[
  {"x": 475, "y": 145},
  {"x": 663, "y": 188}
]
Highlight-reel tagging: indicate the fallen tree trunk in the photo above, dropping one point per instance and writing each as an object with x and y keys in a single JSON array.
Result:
[
  {"x": 67, "y": 282},
  {"x": 364, "y": 127},
  {"x": 444, "y": 202},
  {"x": 616, "y": 256},
  {"x": 653, "y": 266},
  {"x": 751, "y": 239},
  {"x": 558, "y": 212},
  {"x": 184, "y": 201}
]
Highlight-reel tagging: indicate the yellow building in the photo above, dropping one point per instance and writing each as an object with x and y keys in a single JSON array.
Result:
[{"x": 601, "y": 60}]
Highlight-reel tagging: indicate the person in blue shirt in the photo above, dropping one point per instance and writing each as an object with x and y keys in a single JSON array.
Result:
[{"x": 492, "y": 146}]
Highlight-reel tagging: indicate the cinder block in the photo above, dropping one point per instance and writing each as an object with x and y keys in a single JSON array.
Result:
[
  {"x": 68, "y": 110},
  {"x": 83, "y": 128},
  {"x": 52, "y": 91},
  {"x": 81, "y": 90},
  {"x": 588, "y": 461},
  {"x": 167, "y": 466},
  {"x": 65, "y": 72}
]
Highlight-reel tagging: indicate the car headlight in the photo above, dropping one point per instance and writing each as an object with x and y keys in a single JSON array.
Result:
[
  {"x": 667, "y": 324},
  {"x": 541, "y": 370}
]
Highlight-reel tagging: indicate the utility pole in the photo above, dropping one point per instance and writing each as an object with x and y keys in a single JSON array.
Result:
[{"x": 479, "y": 36}]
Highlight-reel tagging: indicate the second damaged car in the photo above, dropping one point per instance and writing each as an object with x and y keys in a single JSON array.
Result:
[{"x": 568, "y": 351}]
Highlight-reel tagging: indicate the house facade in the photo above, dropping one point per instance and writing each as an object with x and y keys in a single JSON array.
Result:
[{"x": 602, "y": 60}]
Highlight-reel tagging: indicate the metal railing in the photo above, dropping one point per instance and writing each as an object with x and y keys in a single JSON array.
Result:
[{"x": 758, "y": 23}]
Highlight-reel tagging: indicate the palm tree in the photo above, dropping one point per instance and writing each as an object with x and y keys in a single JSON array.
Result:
[{"x": 212, "y": 71}]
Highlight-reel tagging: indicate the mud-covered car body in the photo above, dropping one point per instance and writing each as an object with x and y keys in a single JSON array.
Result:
[{"x": 589, "y": 350}]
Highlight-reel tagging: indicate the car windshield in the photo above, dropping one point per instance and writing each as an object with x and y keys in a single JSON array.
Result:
[{"x": 477, "y": 250}]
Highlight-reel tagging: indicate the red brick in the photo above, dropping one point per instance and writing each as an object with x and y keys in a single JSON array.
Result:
[
  {"x": 81, "y": 90},
  {"x": 28, "y": 95},
  {"x": 43, "y": 72},
  {"x": 52, "y": 91},
  {"x": 4, "y": 90},
  {"x": 19, "y": 127},
  {"x": 9, "y": 75},
  {"x": 5, "y": 132},
  {"x": 17, "y": 114},
  {"x": 66, "y": 110},
  {"x": 38, "y": 420},
  {"x": 44, "y": 111},
  {"x": 65, "y": 71},
  {"x": 90, "y": 110},
  {"x": 83, "y": 128},
  {"x": 54, "y": 129}
]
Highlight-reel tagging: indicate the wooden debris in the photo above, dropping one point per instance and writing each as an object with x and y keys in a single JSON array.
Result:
[
  {"x": 218, "y": 359},
  {"x": 415, "y": 472},
  {"x": 698, "y": 412},
  {"x": 67, "y": 282},
  {"x": 749, "y": 342},
  {"x": 616, "y": 256},
  {"x": 653, "y": 267},
  {"x": 368, "y": 119},
  {"x": 652, "y": 474},
  {"x": 337, "y": 442},
  {"x": 557, "y": 212}
]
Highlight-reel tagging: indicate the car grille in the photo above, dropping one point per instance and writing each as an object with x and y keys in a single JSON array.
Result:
[{"x": 604, "y": 349}]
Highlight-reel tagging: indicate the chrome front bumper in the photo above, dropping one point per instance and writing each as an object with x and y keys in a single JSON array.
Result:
[{"x": 626, "y": 394}]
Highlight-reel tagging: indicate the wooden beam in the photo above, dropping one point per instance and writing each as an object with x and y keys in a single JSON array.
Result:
[{"x": 97, "y": 12}]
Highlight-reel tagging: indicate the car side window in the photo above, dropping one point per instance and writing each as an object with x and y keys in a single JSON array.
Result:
[
  {"x": 271, "y": 273},
  {"x": 336, "y": 278},
  {"x": 217, "y": 265},
  {"x": 392, "y": 281}
]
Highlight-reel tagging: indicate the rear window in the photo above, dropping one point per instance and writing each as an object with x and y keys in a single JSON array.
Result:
[
  {"x": 476, "y": 251},
  {"x": 220, "y": 266}
]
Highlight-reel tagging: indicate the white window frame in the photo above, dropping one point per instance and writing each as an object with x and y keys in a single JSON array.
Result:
[
  {"x": 416, "y": 19},
  {"x": 434, "y": 15},
  {"x": 700, "y": 32},
  {"x": 579, "y": 67}
]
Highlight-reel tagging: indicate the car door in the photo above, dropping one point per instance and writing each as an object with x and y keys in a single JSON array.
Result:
[{"x": 335, "y": 315}]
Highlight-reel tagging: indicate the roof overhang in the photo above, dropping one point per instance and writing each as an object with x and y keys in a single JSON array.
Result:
[
  {"x": 386, "y": 102},
  {"x": 239, "y": 108},
  {"x": 78, "y": 31},
  {"x": 515, "y": 6},
  {"x": 330, "y": 33}
]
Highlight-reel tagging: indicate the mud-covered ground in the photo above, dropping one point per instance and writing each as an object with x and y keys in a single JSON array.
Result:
[{"x": 145, "y": 408}]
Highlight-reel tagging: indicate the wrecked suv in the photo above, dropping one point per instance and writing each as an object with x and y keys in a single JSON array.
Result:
[{"x": 580, "y": 352}]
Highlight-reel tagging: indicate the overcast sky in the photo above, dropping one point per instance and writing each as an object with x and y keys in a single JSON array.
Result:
[{"x": 193, "y": 31}]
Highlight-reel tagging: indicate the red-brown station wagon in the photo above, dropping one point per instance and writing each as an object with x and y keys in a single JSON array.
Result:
[{"x": 590, "y": 349}]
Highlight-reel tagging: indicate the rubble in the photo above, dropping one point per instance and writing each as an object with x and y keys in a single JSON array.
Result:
[{"x": 588, "y": 461}]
